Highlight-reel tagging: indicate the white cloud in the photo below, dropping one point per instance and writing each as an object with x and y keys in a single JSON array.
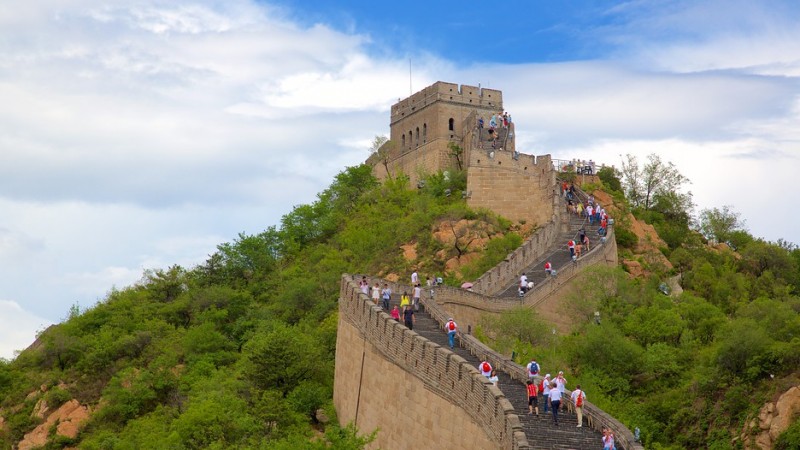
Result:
[
  {"x": 18, "y": 328},
  {"x": 142, "y": 134}
]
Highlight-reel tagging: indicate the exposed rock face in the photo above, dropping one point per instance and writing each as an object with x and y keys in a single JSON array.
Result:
[
  {"x": 409, "y": 251},
  {"x": 773, "y": 419},
  {"x": 40, "y": 409},
  {"x": 70, "y": 417}
]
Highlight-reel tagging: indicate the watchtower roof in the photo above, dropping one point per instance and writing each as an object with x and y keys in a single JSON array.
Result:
[{"x": 490, "y": 100}]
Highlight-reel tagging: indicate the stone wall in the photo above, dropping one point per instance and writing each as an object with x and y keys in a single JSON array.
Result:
[
  {"x": 521, "y": 189},
  {"x": 502, "y": 275},
  {"x": 470, "y": 307},
  {"x": 416, "y": 392},
  {"x": 445, "y": 300}
]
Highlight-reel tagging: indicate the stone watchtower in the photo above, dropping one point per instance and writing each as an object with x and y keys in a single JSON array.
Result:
[
  {"x": 518, "y": 187},
  {"x": 423, "y": 124}
]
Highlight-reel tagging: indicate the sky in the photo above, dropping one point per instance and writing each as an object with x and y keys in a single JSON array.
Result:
[{"x": 141, "y": 134}]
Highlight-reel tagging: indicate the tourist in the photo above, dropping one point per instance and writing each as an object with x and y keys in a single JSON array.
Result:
[
  {"x": 364, "y": 285},
  {"x": 571, "y": 247},
  {"x": 533, "y": 369},
  {"x": 544, "y": 388},
  {"x": 533, "y": 399},
  {"x": 590, "y": 214},
  {"x": 493, "y": 378},
  {"x": 409, "y": 318},
  {"x": 608, "y": 439},
  {"x": 396, "y": 313},
  {"x": 548, "y": 268},
  {"x": 578, "y": 399},
  {"x": 376, "y": 293},
  {"x": 561, "y": 383},
  {"x": 417, "y": 294},
  {"x": 386, "y": 296},
  {"x": 523, "y": 284},
  {"x": 586, "y": 242},
  {"x": 414, "y": 278},
  {"x": 555, "y": 401},
  {"x": 452, "y": 328},
  {"x": 578, "y": 249},
  {"x": 485, "y": 368},
  {"x": 405, "y": 300}
]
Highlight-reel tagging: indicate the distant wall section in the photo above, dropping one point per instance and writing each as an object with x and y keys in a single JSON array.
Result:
[{"x": 518, "y": 189}]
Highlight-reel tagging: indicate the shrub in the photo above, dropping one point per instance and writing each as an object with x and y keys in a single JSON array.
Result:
[
  {"x": 625, "y": 237},
  {"x": 56, "y": 397}
]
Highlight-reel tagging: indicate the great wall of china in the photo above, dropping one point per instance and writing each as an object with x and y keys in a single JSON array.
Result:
[{"x": 408, "y": 384}]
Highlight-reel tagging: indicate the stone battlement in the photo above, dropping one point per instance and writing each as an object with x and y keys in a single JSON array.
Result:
[
  {"x": 381, "y": 364},
  {"x": 464, "y": 95}
]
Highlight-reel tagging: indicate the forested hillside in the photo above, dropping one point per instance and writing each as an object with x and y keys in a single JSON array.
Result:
[
  {"x": 238, "y": 351},
  {"x": 690, "y": 370}
]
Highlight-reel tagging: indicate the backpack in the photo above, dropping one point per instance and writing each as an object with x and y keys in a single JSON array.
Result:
[
  {"x": 486, "y": 367},
  {"x": 579, "y": 400},
  {"x": 534, "y": 368},
  {"x": 451, "y": 326},
  {"x": 541, "y": 387}
]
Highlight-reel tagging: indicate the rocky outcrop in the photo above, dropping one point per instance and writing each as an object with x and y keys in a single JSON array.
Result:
[
  {"x": 773, "y": 419},
  {"x": 68, "y": 419}
]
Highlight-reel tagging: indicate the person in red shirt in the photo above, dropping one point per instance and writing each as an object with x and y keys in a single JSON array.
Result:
[
  {"x": 533, "y": 398},
  {"x": 548, "y": 268}
]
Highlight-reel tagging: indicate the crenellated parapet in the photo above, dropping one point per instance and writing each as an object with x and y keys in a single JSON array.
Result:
[
  {"x": 462, "y": 400},
  {"x": 472, "y": 97}
]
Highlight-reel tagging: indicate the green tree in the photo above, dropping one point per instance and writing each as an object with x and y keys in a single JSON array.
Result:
[
  {"x": 456, "y": 152},
  {"x": 381, "y": 148},
  {"x": 610, "y": 178},
  {"x": 643, "y": 184},
  {"x": 282, "y": 357},
  {"x": 719, "y": 223}
]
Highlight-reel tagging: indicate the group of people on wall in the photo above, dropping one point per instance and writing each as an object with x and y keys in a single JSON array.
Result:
[
  {"x": 409, "y": 304},
  {"x": 547, "y": 390},
  {"x": 498, "y": 121}
]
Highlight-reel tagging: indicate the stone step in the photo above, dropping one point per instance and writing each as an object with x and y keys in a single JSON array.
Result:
[{"x": 540, "y": 430}]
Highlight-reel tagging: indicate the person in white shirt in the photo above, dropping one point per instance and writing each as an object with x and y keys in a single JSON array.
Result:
[
  {"x": 414, "y": 278},
  {"x": 493, "y": 377},
  {"x": 485, "y": 368},
  {"x": 523, "y": 283},
  {"x": 545, "y": 391},
  {"x": 555, "y": 401},
  {"x": 561, "y": 383},
  {"x": 452, "y": 328},
  {"x": 533, "y": 369},
  {"x": 376, "y": 293},
  {"x": 578, "y": 399},
  {"x": 416, "y": 296}
]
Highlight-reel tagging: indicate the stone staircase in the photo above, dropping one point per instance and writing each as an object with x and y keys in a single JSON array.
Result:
[
  {"x": 540, "y": 431},
  {"x": 558, "y": 255}
]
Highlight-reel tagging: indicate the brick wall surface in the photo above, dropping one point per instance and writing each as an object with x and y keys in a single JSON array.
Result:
[
  {"x": 518, "y": 189},
  {"x": 470, "y": 307},
  {"x": 450, "y": 403}
]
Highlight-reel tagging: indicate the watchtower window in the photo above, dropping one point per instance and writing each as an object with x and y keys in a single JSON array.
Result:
[
  {"x": 451, "y": 124},
  {"x": 410, "y": 138},
  {"x": 424, "y": 133},
  {"x": 404, "y": 140},
  {"x": 417, "y": 136}
]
